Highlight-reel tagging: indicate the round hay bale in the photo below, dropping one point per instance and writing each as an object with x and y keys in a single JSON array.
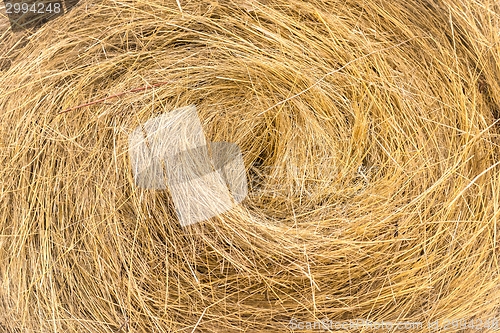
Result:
[{"x": 369, "y": 134}]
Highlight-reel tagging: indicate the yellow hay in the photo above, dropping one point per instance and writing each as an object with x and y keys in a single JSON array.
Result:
[{"x": 369, "y": 132}]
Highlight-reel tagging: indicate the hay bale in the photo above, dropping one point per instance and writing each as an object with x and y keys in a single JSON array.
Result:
[{"x": 370, "y": 139}]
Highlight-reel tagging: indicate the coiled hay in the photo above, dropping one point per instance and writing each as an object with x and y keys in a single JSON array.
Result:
[{"x": 369, "y": 132}]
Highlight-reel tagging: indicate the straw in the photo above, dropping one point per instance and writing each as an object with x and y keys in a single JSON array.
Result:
[{"x": 369, "y": 134}]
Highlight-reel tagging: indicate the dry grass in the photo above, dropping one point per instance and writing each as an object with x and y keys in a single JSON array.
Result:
[{"x": 370, "y": 135}]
